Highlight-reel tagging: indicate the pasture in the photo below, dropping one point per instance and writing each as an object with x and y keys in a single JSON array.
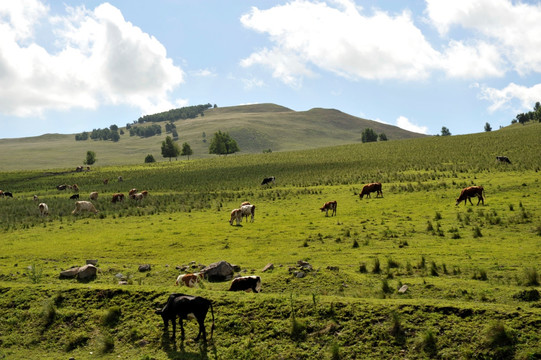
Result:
[{"x": 472, "y": 272}]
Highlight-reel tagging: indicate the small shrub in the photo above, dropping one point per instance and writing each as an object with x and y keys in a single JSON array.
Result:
[
  {"x": 427, "y": 343},
  {"x": 477, "y": 232},
  {"x": 355, "y": 244},
  {"x": 422, "y": 263},
  {"x": 438, "y": 216},
  {"x": 112, "y": 316},
  {"x": 106, "y": 344},
  {"x": 385, "y": 287},
  {"x": 76, "y": 340},
  {"x": 335, "y": 351},
  {"x": 429, "y": 226},
  {"x": 392, "y": 263},
  {"x": 434, "y": 269},
  {"x": 480, "y": 275},
  {"x": 377, "y": 267},
  {"x": 528, "y": 295},
  {"x": 500, "y": 340},
  {"x": 49, "y": 313},
  {"x": 149, "y": 159},
  {"x": 397, "y": 331},
  {"x": 362, "y": 268},
  {"x": 34, "y": 273},
  {"x": 531, "y": 276}
]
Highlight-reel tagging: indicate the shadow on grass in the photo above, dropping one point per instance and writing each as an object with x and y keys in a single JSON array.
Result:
[{"x": 179, "y": 353}]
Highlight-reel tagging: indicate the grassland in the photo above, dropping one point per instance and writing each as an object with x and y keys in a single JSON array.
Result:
[
  {"x": 255, "y": 128},
  {"x": 472, "y": 271}
]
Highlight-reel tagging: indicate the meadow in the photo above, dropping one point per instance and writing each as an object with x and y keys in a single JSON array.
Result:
[{"x": 472, "y": 272}]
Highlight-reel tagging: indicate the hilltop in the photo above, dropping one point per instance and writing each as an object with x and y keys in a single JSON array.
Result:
[{"x": 255, "y": 127}]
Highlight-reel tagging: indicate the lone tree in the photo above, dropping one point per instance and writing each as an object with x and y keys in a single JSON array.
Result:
[
  {"x": 170, "y": 148},
  {"x": 369, "y": 135},
  {"x": 149, "y": 159},
  {"x": 186, "y": 150},
  {"x": 223, "y": 144},
  {"x": 445, "y": 131},
  {"x": 488, "y": 127},
  {"x": 90, "y": 158}
]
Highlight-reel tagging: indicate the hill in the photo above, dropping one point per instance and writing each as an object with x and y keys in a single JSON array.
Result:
[{"x": 255, "y": 128}]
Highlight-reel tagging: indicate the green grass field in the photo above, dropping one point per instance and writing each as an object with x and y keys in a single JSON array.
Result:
[{"x": 472, "y": 271}]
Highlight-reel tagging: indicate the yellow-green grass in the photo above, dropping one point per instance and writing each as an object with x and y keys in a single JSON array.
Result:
[{"x": 476, "y": 258}]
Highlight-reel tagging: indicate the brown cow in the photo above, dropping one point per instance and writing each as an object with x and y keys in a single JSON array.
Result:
[
  {"x": 118, "y": 198},
  {"x": 469, "y": 192},
  {"x": 370, "y": 188},
  {"x": 94, "y": 195},
  {"x": 329, "y": 205},
  {"x": 75, "y": 187},
  {"x": 236, "y": 215},
  {"x": 105, "y": 181},
  {"x": 189, "y": 279},
  {"x": 132, "y": 192}
]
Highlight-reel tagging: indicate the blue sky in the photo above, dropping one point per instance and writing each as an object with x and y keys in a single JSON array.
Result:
[{"x": 420, "y": 65}]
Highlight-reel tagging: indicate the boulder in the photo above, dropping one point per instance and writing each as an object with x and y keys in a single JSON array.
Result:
[
  {"x": 70, "y": 273},
  {"x": 267, "y": 267},
  {"x": 403, "y": 289},
  {"x": 219, "y": 271},
  {"x": 87, "y": 272},
  {"x": 145, "y": 267}
]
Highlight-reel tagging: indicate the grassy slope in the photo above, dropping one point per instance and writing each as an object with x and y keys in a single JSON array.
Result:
[
  {"x": 255, "y": 127},
  {"x": 185, "y": 220}
]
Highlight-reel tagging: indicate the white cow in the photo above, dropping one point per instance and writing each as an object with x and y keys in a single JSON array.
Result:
[
  {"x": 43, "y": 209},
  {"x": 84, "y": 206},
  {"x": 248, "y": 210}
]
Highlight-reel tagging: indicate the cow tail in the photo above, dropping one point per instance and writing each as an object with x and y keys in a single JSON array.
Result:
[{"x": 212, "y": 326}]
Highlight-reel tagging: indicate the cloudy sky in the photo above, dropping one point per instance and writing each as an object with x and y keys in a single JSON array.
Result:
[{"x": 67, "y": 67}]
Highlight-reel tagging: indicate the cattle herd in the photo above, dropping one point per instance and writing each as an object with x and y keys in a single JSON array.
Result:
[{"x": 184, "y": 306}]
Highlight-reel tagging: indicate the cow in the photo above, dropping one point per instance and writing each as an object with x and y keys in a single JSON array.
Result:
[
  {"x": 75, "y": 187},
  {"x": 117, "y": 198},
  {"x": 132, "y": 192},
  {"x": 329, "y": 205},
  {"x": 79, "y": 168},
  {"x": 105, "y": 181},
  {"x": 61, "y": 187},
  {"x": 189, "y": 279},
  {"x": 247, "y": 210},
  {"x": 469, "y": 192},
  {"x": 7, "y": 193},
  {"x": 94, "y": 195},
  {"x": 245, "y": 203},
  {"x": 138, "y": 196},
  {"x": 370, "y": 188},
  {"x": 74, "y": 197},
  {"x": 246, "y": 283},
  {"x": 84, "y": 206},
  {"x": 503, "y": 159},
  {"x": 144, "y": 193},
  {"x": 186, "y": 307},
  {"x": 236, "y": 215},
  {"x": 43, "y": 209},
  {"x": 36, "y": 198},
  {"x": 120, "y": 179},
  {"x": 268, "y": 180}
]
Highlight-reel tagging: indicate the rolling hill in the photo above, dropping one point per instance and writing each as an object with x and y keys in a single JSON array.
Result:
[{"x": 255, "y": 128}]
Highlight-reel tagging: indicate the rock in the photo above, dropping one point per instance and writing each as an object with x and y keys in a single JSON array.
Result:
[
  {"x": 219, "y": 271},
  {"x": 236, "y": 268},
  {"x": 299, "y": 274},
  {"x": 145, "y": 267},
  {"x": 119, "y": 276},
  {"x": 70, "y": 273},
  {"x": 87, "y": 272},
  {"x": 302, "y": 263},
  {"x": 122, "y": 282},
  {"x": 333, "y": 268},
  {"x": 403, "y": 289},
  {"x": 268, "y": 267},
  {"x": 92, "y": 262}
]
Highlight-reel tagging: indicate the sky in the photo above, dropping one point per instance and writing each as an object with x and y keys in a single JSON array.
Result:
[{"x": 73, "y": 66}]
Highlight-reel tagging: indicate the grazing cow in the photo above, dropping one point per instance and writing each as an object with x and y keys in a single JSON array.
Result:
[
  {"x": 1, "y": 193},
  {"x": 236, "y": 215},
  {"x": 105, "y": 181},
  {"x": 503, "y": 159},
  {"x": 7, "y": 193},
  {"x": 132, "y": 192},
  {"x": 62, "y": 187},
  {"x": 118, "y": 198},
  {"x": 84, "y": 206},
  {"x": 248, "y": 210},
  {"x": 120, "y": 179},
  {"x": 186, "y": 307},
  {"x": 245, "y": 203},
  {"x": 138, "y": 196},
  {"x": 329, "y": 205},
  {"x": 94, "y": 195},
  {"x": 43, "y": 209},
  {"x": 144, "y": 193},
  {"x": 74, "y": 197},
  {"x": 469, "y": 192},
  {"x": 370, "y": 188},
  {"x": 36, "y": 198},
  {"x": 189, "y": 279},
  {"x": 75, "y": 187},
  {"x": 268, "y": 180},
  {"x": 79, "y": 168},
  {"x": 245, "y": 283}
]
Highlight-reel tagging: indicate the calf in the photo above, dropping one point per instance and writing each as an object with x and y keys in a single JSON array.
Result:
[
  {"x": 94, "y": 195},
  {"x": 268, "y": 180},
  {"x": 84, "y": 206},
  {"x": 189, "y": 279},
  {"x": 132, "y": 192},
  {"x": 503, "y": 159},
  {"x": 236, "y": 215},
  {"x": 469, "y": 192},
  {"x": 185, "y": 307},
  {"x": 245, "y": 283},
  {"x": 138, "y": 196},
  {"x": 329, "y": 205},
  {"x": 43, "y": 209},
  {"x": 248, "y": 210},
  {"x": 74, "y": 197},
  {"x": 117, "y": 198}
]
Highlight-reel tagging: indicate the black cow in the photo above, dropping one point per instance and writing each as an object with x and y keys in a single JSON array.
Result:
[
  {"x": 7, "y": 193},
  {"x": 245, "y": 283},
  {"x": 186, "y": 307},
  {"x": 504, "y": 159},
  {"x": 61, "y": 187},
  {"x": 268, "y": 180},
  {"x": 74, "y": 197}
]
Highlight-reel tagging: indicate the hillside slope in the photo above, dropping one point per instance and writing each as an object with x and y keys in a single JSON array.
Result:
[{"x": 254, "y": 127}]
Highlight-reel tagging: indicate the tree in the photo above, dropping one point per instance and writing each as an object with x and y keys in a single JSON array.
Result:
[
  {"x": 149, "y": 159},
  {"x": 115, "y": 136},
  {"x": 170, "y": 148},
  {"x": 382, "y": 137},
  {"x": 223, "y": 144},
  {"x": 90, "y": 158},
  {"x": 488, "y": 127},
  {"x": 186, "y": 150},
  {"x": 369, "y": 135},
  {"x": 445, "y": 131}
]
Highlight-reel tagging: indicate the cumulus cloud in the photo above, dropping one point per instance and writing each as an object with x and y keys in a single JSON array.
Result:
[
  {"x": 100, "y": 59},
  {"x": 341, "y": 40},
  {"x": 502, "y": 98},
  {"x": 404, "y": 123}
]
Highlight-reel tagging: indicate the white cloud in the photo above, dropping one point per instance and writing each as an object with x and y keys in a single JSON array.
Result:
[
  {"x": 404, "y": 123},
  {"x": 340, "y": 40},
  {"x": 101, "y": 59},
  {"x": 502, "y": 98},
  {"x": 476, "y": 61}
]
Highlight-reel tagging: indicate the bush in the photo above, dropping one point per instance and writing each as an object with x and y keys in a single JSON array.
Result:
[
  {"x": 107, "y": 344},
  {"x": 500, "y": 341},
  {"x": 149, "y": 159},
  {"x": 427, "y": 343},
  {"x": 112, "y": 316},
  {"x": 377, "y": 267},
  {"x": 528, "y": 295},
  {"x": 49, "y": 313},
  {"x": 532, "y": 278},
  {"x": 76, "y": 340}
]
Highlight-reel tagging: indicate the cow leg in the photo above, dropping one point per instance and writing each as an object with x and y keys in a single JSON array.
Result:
[
  {"x": 174, "y": 329},
  {"x": 201, "y": 322},
  {"x": 254, "y": 288},
  {"x": 469, "y": 198},
  {"x": 181, "y": 329}
]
